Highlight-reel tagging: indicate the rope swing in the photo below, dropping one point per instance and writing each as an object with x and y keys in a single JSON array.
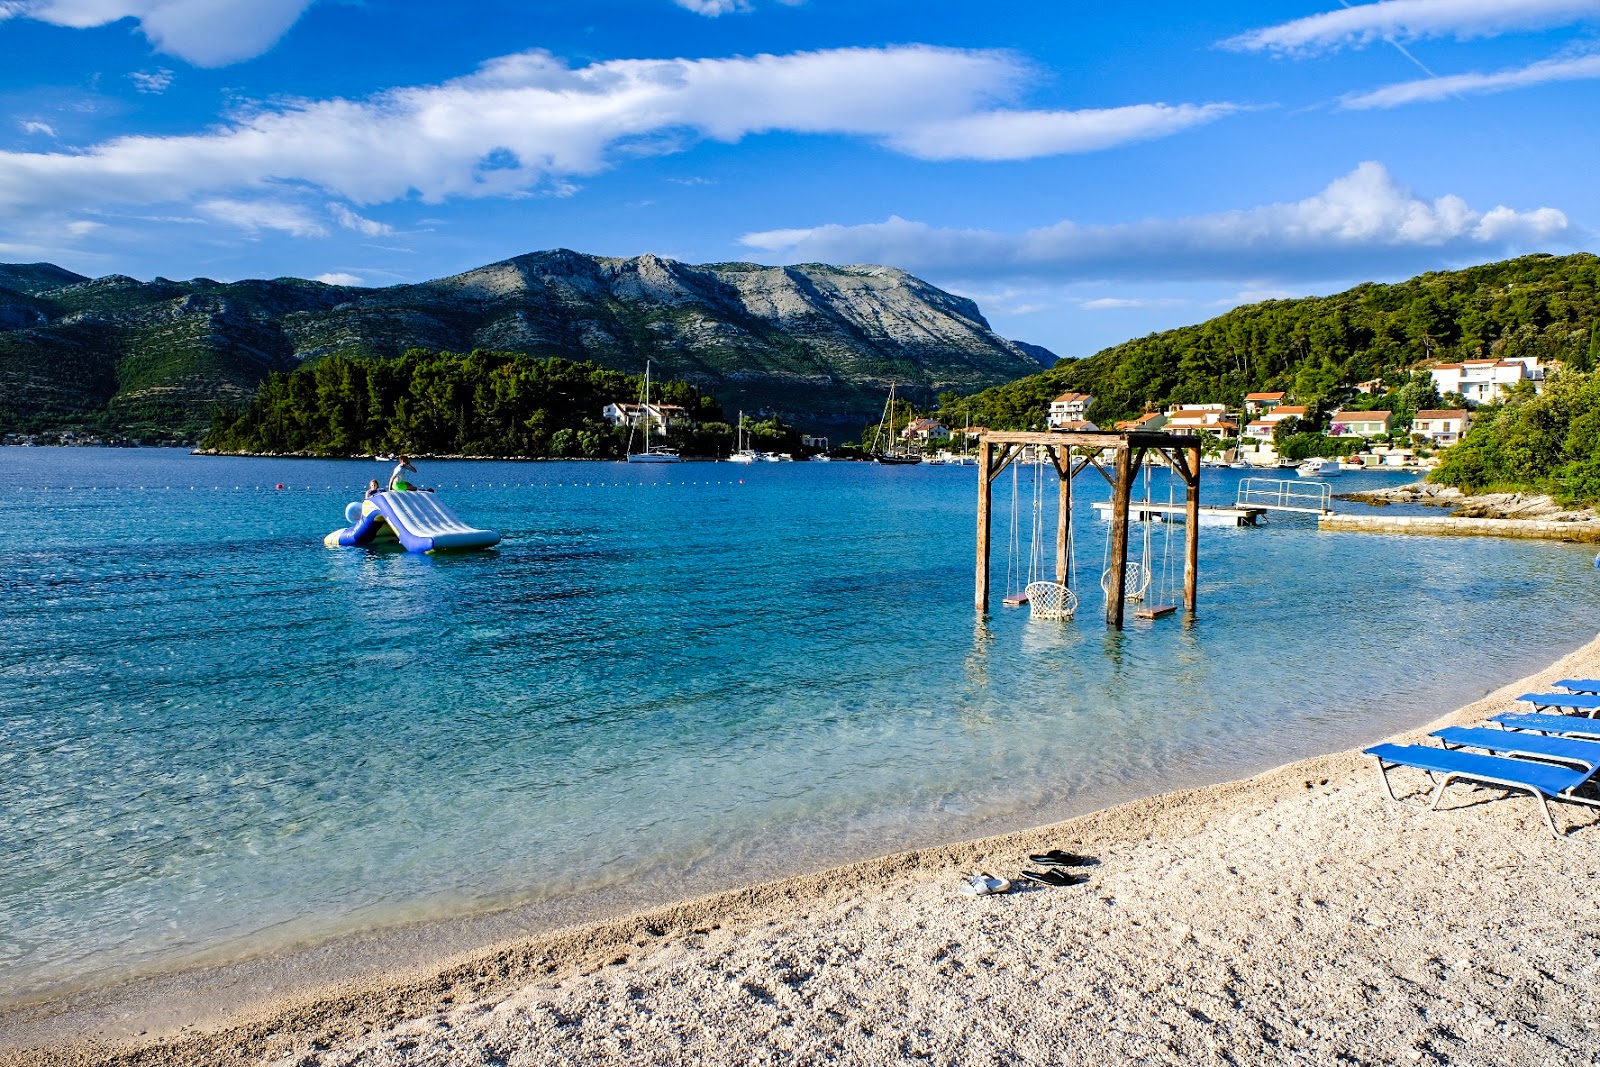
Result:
[
  {"x": 1136, "y": 575},
  {"x": 1047, "y": 598}
]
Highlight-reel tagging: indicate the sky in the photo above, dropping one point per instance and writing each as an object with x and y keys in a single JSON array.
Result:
[{"x": 1087, "y": 172}]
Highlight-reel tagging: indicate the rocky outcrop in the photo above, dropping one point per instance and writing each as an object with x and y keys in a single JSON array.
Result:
[
  {"x": 1526, "y": 506},
  {"x": 816, "y": 344}
]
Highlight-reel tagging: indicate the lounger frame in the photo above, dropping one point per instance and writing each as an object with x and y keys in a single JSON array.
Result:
[{"x": 1442, "y": 780}]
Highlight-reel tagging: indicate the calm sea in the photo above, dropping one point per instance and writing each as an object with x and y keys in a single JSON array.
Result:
[{"x": 221, "y": 738}]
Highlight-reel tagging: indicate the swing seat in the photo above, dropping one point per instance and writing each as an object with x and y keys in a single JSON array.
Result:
[
  {"x": 1154, "y": 611},
  {"x": 1015, "y": 600},
  {"x": 1050, "y": 600},
  {"x": 1135, "y": 580}
]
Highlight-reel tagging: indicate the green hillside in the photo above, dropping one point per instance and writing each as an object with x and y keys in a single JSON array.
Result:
[
  {"x": 815, "y": 344},
  {"x": 1317, "y": 347}
]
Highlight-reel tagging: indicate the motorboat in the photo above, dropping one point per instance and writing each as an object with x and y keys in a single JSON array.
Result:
[{"x": 1317, "y": 467}]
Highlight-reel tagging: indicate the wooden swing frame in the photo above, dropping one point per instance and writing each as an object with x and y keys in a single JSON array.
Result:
[{"x": 1070, "y": 452}]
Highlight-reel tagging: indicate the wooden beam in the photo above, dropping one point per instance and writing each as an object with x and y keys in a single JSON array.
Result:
[
  {"x": 985, "y": 458},
  {"x": 1179, "y": 463},
  {"x": 1084, "y": 439},
  {"x": 1007, "y": 454},
  {"x": 1191, "y": 536},
  {"x": 1063, "y": 513},
  {"x": 1121, "y": 492}
]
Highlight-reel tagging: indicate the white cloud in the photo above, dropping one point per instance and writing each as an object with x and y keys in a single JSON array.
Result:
[
  {"x": 256, "y": 215},
  {"x": 1363, "y": 223},
  {"x": 338, "y": 278},
  {"x": 83, "y": 227},
  {"x": 207, "y": 33},
  {"x": 351, "y": 221},
  {"x": 527, "y": 123},
  {"x": 1429, "y": 89},
  {"x": 1122, "y": 303},
  {"x": 38, "y": 127},
  {"x": 1391, "y": 20},
  {"x": 151, "y": 81},
  {"x": 713, "y": 8},
  {"x": 997, "y": 135}
]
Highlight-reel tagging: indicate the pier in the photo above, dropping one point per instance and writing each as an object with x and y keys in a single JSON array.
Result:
[
  {"x": 1070, "y": 451},
  {"x": 1209, "y": 514},
  {"x": 1278, "y": 494}
]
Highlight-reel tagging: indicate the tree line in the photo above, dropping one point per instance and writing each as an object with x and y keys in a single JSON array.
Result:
[{"x": 476, "y": 403}]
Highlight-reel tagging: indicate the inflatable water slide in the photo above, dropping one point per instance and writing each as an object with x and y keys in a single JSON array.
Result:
[{"x": 416, "y": 519}]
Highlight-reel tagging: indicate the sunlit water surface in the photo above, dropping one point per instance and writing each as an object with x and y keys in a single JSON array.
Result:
[{"x": 218, "y": 733}]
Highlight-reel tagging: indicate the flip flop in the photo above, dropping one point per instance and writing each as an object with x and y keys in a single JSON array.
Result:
[
  {"x": 1055, "y": 878},
  {"x": 1058, "y": 858},
  {"x": 984, "y": 884}
]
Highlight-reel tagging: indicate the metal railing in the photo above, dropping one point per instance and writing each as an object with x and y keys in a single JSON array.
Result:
[{"x": 1275, "y": 494}]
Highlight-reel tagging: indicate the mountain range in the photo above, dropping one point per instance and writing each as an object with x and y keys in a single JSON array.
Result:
[{"x": 817, "y": 345}]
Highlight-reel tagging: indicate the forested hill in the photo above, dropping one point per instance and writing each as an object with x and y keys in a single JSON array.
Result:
[
  {"x": 1545, "y": 306},
  {"x": 814, "y": 343}
]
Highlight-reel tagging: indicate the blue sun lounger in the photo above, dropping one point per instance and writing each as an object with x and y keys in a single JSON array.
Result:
[
  {"x": 1544, "y": 781},
  {"x": 1579, "y": 685},
  {"x": 1585, "y": 754},
  {"x": 1580, "y": 726},
  {"x": 1585, "y": 702}
]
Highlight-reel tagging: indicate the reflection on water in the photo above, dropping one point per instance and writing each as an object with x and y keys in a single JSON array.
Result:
[{"x": 217, "y": 731}]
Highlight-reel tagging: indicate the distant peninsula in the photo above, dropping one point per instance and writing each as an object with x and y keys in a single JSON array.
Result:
[{"x": 814, "y": 345}]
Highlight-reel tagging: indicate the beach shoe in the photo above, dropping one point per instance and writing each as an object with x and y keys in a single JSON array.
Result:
[
  {"x": 1057, "y": 858},
  {"x": 985, "y": 884},
  {"x": 1055, "y": 878}
]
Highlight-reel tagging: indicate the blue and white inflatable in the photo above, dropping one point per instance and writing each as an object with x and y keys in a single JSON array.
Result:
[{"x": 416, "y": 519}]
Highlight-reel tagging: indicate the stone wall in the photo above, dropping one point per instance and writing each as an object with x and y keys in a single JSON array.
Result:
[{"x": 1449, "y": 526}]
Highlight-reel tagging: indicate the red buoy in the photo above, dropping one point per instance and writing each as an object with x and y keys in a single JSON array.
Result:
[{"x": 280, "y": 485}]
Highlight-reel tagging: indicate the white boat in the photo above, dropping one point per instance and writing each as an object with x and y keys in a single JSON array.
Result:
[
  {"x": 1317, "y": 467},
  {"x": 651, "y": 453},
  {"x": 742, "y": 453},
  {"x": 821, "y": 457}
]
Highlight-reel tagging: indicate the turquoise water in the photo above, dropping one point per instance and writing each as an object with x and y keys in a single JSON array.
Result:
[{"x": 220, "y": 737}]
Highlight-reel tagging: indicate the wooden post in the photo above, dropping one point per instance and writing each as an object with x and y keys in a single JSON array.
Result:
[
  {"x": 985, "y": 461},
  {"x": 1121, "y": 495},
  {"x": 1191, "y": 533},
  {"x": 1064, "y": 515}
]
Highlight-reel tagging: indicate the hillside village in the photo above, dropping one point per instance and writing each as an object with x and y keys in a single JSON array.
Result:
[{"x": 1270, "y": 428}]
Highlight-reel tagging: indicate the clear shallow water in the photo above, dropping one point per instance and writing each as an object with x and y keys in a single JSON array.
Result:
[{"x": 218, "y": 735}]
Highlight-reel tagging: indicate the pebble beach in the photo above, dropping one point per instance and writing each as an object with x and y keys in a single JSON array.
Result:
[{"x": 1298, "y": 916}]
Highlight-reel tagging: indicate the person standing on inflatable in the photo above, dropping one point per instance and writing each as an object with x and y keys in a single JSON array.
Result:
[{"x": 398, "y": 480}]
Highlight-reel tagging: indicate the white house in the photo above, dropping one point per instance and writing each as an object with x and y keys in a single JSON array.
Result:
[
  {"x": 1260, "y": 403},
  {"x": 1284, "y": 411},
  {"x": 1360, "y": 423},
  {"x": 1483, "y": 380},
  {"x": 1255, "y": 443},
  {"x": 1442, "y": 427},
  {"x": 925, "y": 430},
  {"x": 1069, "y": 407},
  {"x": 1149, "y": 422},
  {"x": 661, "y": 416},
  {"x": 1184, "y": 418}
]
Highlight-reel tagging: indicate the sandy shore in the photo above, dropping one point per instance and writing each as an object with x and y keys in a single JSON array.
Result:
[{"x": 1295, "y": 917}]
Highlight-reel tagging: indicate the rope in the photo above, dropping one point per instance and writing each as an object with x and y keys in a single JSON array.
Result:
[{"x": 1015, "y": 546}]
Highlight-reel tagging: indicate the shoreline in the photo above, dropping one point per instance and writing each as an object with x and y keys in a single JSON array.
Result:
[{"x": 1293, "y": 823}]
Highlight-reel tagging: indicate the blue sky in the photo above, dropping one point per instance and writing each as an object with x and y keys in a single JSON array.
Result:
[{"x": 1086, "y": 171}]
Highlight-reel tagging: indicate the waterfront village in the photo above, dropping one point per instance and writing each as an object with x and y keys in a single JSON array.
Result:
[
  {"x": 1269, "y": 430},
  {"x": 1264, "y": 431}
]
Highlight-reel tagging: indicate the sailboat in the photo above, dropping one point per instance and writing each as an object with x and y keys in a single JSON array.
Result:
[
  {"x": 890, "y": 455},
  {"x": 655, "y": 453},
  {"x": 743, "y": 453}
]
